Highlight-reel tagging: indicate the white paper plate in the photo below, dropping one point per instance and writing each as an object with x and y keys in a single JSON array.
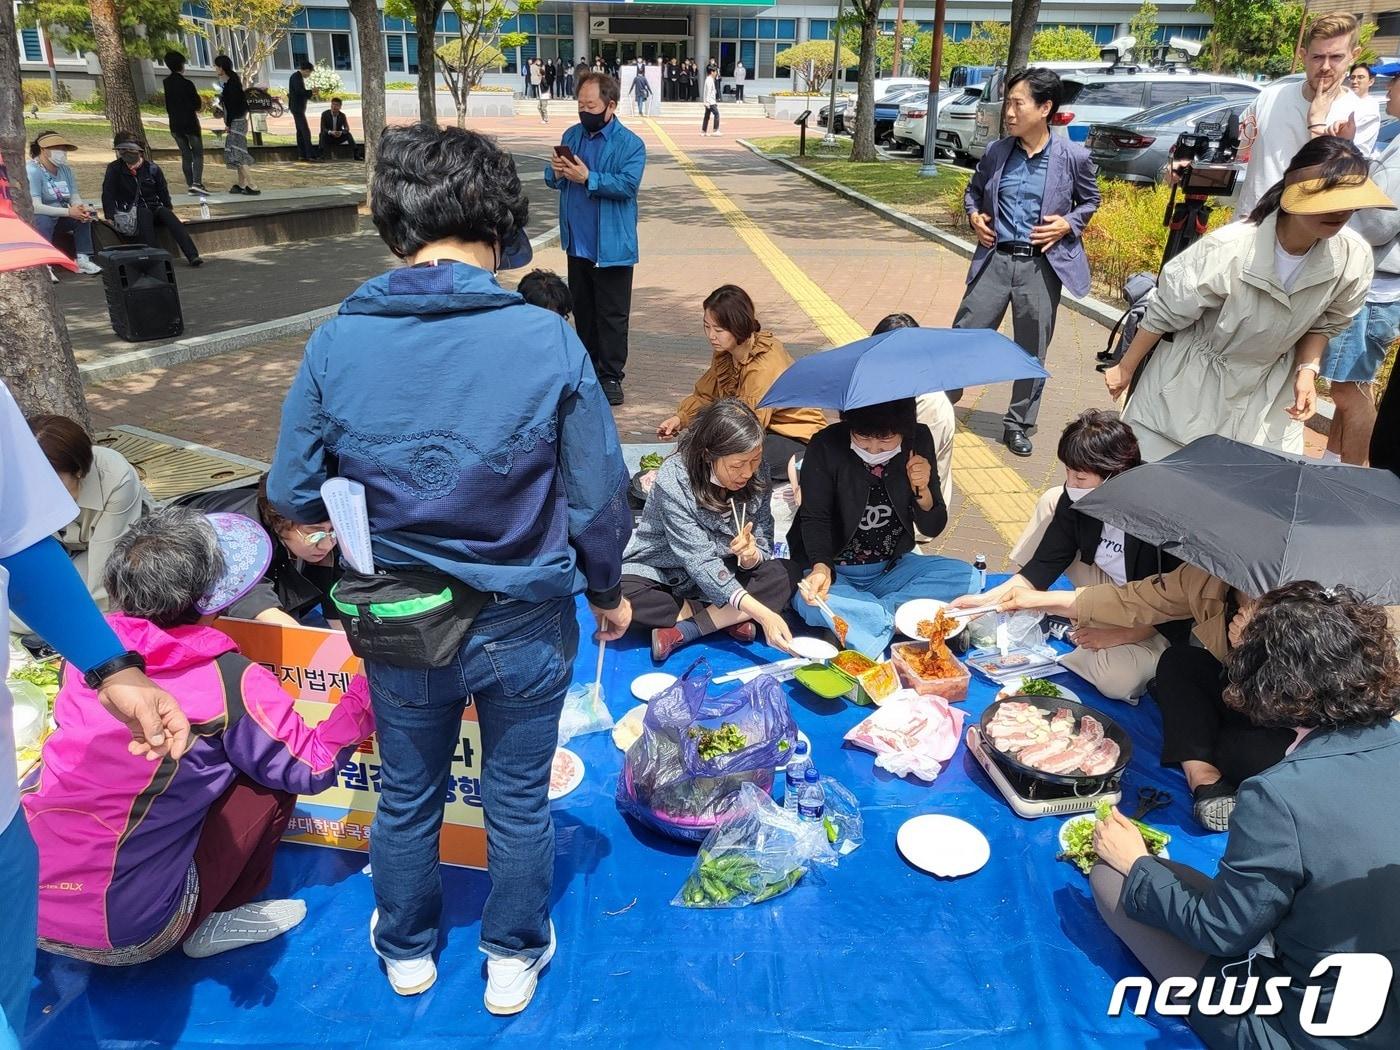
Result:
[
  {"x": 942, "y": 845},
  {"x": 1065, "y": 694},
  {"x": 645, "y": 686},
  {"x": 1064, "y": 834},
  {"x": 566, "y": 774},
  {"x": 813, "y": 649},
  {"x": 908, "y": 615},
  {"x": 802, "y": 738}
]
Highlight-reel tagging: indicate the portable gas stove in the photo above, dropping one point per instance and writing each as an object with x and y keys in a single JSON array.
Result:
[{"x": 1031, "y": 798}]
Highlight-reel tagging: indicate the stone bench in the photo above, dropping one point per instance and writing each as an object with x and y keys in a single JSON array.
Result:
[{"x": 274, "y": 217}]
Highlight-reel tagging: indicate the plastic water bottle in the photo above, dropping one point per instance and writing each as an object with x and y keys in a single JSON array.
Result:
[
  {"x": 204, "y": 207},
  {"x": 811, "y": 804},
  {"x": 797, "y": 768}
]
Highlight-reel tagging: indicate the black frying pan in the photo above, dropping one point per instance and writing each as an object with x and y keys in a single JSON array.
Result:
[{"x": 1112, "y": 731}]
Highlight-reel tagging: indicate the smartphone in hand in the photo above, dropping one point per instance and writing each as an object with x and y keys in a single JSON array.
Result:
[{"x": 564, "y": 153}]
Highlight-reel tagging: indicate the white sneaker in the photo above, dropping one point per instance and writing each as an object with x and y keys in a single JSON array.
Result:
[
  {"x": 511, "y": 982},
  {"x": 87, "y": 266},
  {"x": 406, "y": 976}
]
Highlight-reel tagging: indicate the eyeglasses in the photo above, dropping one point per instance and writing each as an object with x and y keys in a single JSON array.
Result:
[{"x": 318, "y": 538}]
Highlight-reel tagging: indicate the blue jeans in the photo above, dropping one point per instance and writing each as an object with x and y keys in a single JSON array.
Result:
[
  {"x": 514, "y": 665},
  {"x": 1356, "y": 354},
  {"x": 48, "y": 225},
  {"x": 19, "y": 926},
  {"x": 866, "y": 596}
]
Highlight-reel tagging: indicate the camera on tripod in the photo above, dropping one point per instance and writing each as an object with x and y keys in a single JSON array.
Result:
[{"x": 1209, "y": 153}]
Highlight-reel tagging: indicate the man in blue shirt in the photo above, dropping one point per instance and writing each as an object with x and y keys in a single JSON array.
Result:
[
  {"x": 1029, "y": 201},
  {"x": 598, "y": 171}
]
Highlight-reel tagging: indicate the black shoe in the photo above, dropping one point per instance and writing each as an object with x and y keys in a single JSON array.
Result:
[
  {"x": 250, "y": 191},
  {"x": 1017, "y": 442},
  {"x": 196, "y": 261},
  {"x": 198, "y": 189},
  {"x": 612, "y": 390},
  {"x": 235, "y": 188}
]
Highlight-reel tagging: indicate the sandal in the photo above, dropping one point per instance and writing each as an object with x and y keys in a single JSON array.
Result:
[{"x": 1212, "y": 805}]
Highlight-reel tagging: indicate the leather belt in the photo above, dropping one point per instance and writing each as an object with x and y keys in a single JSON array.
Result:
[{"x": 1019, "y": 249}]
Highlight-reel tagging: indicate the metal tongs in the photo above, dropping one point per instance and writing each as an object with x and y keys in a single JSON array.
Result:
[{"x": 966, "y": 614}]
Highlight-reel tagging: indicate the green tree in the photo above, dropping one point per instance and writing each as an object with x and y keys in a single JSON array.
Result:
[
  {"x": 115, "y": 30},
  {"x": 479, "y": 44},
  {"x": 863, "y": 136},
  {"x": 811, "y": 61},
  {"x": 1253, "y": 36},
  {"x": 369, "y": 23},
  {"x": 37, "y": 363},
  {"x": 1143, "y": 28},
  {"x": 248, "y": 31},
  {"x": 1063, "y": 44},
  {"x": 424, "y": 15},
  {"x": 987, "y": 45}
]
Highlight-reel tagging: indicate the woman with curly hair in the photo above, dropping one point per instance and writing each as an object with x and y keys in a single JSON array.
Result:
[{"x": 1310, "y": 867}]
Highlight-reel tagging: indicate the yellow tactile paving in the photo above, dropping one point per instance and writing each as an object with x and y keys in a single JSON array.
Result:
[{"x": 1002, "y": 495}]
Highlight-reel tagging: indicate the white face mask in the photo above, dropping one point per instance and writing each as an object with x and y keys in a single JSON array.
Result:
[
  {"x": 58, "y": 156},
  {"x": 1074, "y": 494},
  {"x": 876, "y": 459}
]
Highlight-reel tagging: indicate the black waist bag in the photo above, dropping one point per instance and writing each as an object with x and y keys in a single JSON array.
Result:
[{"x": 406, "y": 617}]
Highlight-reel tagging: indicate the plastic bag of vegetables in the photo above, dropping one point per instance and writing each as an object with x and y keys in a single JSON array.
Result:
[
  {"x": 696, "y": 750},
  {"x": 757, "y": 851}
]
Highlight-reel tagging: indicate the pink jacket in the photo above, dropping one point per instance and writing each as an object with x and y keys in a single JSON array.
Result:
[{"x": 115, "y": 831}]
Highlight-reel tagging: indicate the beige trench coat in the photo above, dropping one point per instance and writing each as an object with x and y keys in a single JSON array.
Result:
[{"x": 1230, "y": 368}]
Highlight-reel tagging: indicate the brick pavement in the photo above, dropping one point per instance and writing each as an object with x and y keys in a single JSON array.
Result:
[{"x": 868, "y": 266}]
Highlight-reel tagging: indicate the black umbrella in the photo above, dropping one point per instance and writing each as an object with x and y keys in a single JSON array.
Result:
[{"x": 1259, "y": 519}]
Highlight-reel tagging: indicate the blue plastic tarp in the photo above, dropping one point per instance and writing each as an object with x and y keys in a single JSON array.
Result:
[{"x": 872, "y": 954}]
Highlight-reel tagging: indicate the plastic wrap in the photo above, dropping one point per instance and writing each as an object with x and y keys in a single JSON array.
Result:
[{"x": 911, "y": 735}]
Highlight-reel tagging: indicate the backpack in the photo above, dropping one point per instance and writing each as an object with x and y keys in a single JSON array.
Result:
[{"x": 1137, "y": 291}]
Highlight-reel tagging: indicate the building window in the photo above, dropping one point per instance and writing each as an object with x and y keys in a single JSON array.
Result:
[
  {"x": 340, "y": 52},
  {"x": 1388, "y": 23},
  {"x": 1185, "y": 32},
  {"x": 33, "y": 46},
  {"x": 752, "y": 41},
  {"x": 393, "y": 51}
]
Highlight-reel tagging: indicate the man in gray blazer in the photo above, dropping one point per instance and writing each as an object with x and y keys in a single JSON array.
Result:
[{"x": 1029, "y": 201}]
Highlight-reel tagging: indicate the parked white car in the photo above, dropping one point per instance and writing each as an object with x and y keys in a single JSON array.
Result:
[
  {"x": 910, "y": 125},
  {"x": 1103, "y": 97}
]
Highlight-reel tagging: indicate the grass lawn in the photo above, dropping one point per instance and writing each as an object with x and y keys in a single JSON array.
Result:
[
  {"x": 896, "y": 183},
  {"x": 97, "y": 134}
]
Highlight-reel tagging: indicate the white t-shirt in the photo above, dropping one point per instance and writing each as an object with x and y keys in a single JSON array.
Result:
[
  {"x": 1110, "y": 555},
  {"x": 1368, "y": 123},
  {"x": 33, "y": 504},
  {"x": 1281, "y": 115},
  {"x": 1288, "y": 265}
]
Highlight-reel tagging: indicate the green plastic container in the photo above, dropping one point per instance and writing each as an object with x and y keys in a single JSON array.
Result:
[{"x": 827, "y": 682}]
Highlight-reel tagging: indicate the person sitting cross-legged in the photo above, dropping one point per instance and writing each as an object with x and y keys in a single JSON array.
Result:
[
  {"x": 701, "y": 559},
  {"x": 867, "y": 483},
  {"x": 135, "y": 859}
]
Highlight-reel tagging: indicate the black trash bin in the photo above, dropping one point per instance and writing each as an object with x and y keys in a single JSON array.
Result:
[{"x": 142, "y": 299}]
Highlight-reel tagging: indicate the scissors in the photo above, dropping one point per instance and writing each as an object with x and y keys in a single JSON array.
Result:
[{"x": 1150, "y": 798}]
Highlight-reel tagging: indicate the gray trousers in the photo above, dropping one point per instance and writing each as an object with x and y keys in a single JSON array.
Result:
[
  {"x": 1032, "y": 289},
  {"x": 1160, "y": 953},
  {"x": 191, "y": 156}
]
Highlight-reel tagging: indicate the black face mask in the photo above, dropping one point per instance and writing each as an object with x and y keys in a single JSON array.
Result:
[{"x": 592, "y": 122}]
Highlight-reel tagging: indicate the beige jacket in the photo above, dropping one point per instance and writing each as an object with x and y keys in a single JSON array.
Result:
[
  {"x": 1229, "y": 370},
  {"x": 1184, "y": 593},
  {"x": 110, "y": 498},
  {"x": 747, "y": 374}
]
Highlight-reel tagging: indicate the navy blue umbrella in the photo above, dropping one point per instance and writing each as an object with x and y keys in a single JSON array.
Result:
[{"x": 905, "y": 362}]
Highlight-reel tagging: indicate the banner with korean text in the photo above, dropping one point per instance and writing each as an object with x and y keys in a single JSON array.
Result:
[{"x": 315, "y": 667}]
